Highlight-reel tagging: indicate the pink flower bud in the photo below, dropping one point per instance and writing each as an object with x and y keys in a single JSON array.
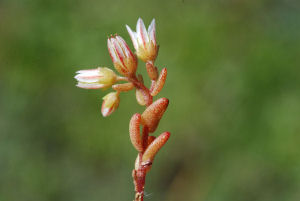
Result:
[
  {"x": 110, "y": 103},
  {"x": 95, "y": 78},
  {"x": 124, "y": 60},
  {"x": 144, "y": 41}
]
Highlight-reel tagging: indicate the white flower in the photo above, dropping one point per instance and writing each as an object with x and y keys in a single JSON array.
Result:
[
  {"x": 101, "y": 77},
  {"x": 124, "y": 60},
  {"x": 144, "y": 41}
]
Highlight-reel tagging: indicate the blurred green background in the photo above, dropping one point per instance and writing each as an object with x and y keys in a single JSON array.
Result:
[{"x": 233, "y": 84}]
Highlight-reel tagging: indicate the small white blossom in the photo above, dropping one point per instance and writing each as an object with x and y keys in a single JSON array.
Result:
[
  {"x": 144, "y": 41},
  {"x": 101, "y": 77}
]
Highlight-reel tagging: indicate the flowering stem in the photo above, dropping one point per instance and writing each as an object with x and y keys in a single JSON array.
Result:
[
  {"x": 125, "y": 63},
  {"x": 139, "y": 175}
]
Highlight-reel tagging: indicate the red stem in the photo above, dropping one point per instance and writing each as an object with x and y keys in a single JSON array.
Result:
[
  {"x": 140, "y": 181},
  {"x": 139, "y": 175}
]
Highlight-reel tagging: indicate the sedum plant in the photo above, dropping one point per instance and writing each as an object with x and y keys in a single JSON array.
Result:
[{"x": 140, "y": 125}]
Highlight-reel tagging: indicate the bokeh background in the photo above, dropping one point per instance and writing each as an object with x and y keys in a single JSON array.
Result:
[{"x": 233, "y": 84}]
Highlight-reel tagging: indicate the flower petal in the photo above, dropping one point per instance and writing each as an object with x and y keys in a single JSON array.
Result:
[
  {"x": 118, "y": 49},
  {"x": 111, "y": 50},
  {"x": 88, "y": 70},
  {"x": 124, "y": 46},
  {"x": 133, "y": 37},
  {"x": 142, "y": 32},
  {"x": 92, "y": 75},
  {"x": 151, "y": 31},
  {"x": 90, "y": 85}
]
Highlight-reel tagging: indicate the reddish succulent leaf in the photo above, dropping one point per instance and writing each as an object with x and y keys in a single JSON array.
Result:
[
  {"x": 152, "y": 71},
  {"x": 134, "y": 131},
  {"x": 152, "y": 115},
  {"x": 160, "y": 82},
  {"x": 154, "y": 147},
  {"x": 123, "y": 87},
  {"x": 153, "y": 83},
  {"x": 140, "y": 97},
  {"x": 143, "y": 95}
]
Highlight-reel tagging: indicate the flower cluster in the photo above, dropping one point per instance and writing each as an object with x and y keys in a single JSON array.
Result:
[{"x": 125, "y": 63}]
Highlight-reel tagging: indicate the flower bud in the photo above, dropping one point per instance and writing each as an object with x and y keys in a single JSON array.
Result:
[
  {"x": 110, "y": 103},
  {"x": 124, "y": 60},
  {"x": 101, "y": 77},
  {"x": 144, "y": 41}
]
